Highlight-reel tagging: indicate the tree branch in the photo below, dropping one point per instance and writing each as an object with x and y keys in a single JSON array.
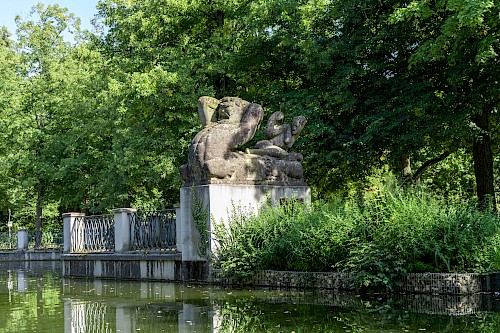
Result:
[{"x": 429, "y": 163}]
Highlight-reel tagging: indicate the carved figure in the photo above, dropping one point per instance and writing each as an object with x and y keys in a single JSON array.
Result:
[
  {"x": 278, "y": 134},
  {"x": 280, "y": 137},
  {"x": 229, "y": 123}
]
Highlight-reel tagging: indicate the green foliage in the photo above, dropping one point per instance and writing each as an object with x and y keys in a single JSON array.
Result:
[
  {"x": 375, "y": 266},
  {"x": 106, "y": 121},
  {"x": 201, "y": 220},
  {"x": 45, "y": 77},
  {"x": 452, "y": 178},
  {"x": 236, "y": 252},
  {"x": 380, "y": 234}
]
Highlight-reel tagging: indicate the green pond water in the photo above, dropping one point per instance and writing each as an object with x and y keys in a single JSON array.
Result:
[{"x": 35, "y": 298}]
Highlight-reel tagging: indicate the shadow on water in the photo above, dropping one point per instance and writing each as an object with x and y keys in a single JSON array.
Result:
[{"x": 35, "y": 298}]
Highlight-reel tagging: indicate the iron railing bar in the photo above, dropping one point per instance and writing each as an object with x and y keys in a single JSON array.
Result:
[{"x": 153, "y": 231}]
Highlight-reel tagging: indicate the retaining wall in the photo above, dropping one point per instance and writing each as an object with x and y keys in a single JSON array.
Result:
[
  {"x": 415, "y": 283},
  {"x": 441, "y": 283},
  {"x": 171, "y": 267},
  {"x": 167, "y": 267}
]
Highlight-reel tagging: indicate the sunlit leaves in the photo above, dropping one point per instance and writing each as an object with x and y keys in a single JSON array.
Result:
[{"x": 458, "y": 20}]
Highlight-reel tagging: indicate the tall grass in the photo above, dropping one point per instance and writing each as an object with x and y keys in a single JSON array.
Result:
[{"x": 380, "y": 234}]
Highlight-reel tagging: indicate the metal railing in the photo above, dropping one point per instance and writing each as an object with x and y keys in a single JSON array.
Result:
[
  {"x": 153, "y": 230},
  {"x": 93, "y": 234},
  {"x": 8, "y": 240},
  {"x": 45, "y": 239}
]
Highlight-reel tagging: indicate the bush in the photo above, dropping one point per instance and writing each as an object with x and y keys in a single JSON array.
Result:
[{"x": 380, "y": 234}]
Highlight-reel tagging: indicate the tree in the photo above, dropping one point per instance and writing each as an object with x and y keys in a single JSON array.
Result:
[
  {"x": 382, "y": 93},
  {"x": 168, "y": 53},
  {"x": 365, "y": 102},
  {"x": 165, "y": 55},
  {"x": 45, "y": 84},
  {"x": 463, "y": 38},
  {"x": 9, "y": 99},
  {"x": 150, "y": 98}
]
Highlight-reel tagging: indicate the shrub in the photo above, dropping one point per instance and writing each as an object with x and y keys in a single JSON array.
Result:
[{"x": 380, "y": 234}]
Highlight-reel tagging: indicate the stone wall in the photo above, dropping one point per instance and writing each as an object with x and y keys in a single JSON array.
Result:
[
  {"x": 134, "y": 266},
  {"x": 441, "y": 283},
  {"x": 416, "y": 283}
]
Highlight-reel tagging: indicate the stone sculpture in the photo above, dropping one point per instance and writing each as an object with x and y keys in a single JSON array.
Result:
[
  {"x": 228, "y": 124},
  {"x": 280, "y": 137}
]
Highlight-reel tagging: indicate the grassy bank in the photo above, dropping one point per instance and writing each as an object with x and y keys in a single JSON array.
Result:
[{"x": 380, "y": 234}]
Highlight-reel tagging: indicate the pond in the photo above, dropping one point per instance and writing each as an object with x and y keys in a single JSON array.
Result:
[{"x": 35, "y": 298}]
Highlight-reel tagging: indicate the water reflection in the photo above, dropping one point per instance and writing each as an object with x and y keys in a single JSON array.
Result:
[
  {"x": 30, "y": 297},
  {"x": 109, "y": 306},
  {"x": 36, "y": 299}
]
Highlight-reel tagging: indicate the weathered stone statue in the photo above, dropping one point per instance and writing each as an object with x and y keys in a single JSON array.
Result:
[
  {"x": 228, "y": 124},
  {"x": 280, "y": 137}
]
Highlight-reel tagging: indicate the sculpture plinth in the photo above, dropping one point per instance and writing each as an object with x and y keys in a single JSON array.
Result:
[
  {"x": 217, "y": 204},
  {"x": 250, "y": 169}
]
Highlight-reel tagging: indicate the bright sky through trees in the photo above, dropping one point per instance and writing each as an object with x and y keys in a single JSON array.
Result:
[{"x": 84, "y": 9}]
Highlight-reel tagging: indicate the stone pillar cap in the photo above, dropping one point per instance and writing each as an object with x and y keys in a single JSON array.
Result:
[
  {"x": 124, "y": 210},
  {"x": 76, "y": 214}
]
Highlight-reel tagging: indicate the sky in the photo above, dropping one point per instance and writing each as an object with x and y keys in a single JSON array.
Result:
[{"x": 84, "y": 9}]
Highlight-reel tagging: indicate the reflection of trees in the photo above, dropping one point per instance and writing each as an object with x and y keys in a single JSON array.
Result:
[
  {"x": 35, "y": 307},
  {"x": 112, "y": 306},
  {"x": 251, "y": 315}
]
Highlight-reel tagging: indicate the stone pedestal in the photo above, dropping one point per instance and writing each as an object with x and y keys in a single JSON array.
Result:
[
  {"x": 122, "y": 228},
  {"x": 22, "y": 240},
  {"x": 217, "y": 203},
  {"x": 72, "y": 240}
]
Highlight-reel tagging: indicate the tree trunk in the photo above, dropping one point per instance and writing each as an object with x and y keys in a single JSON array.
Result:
[
  {"x": 38, "y": 218},
  {"x": 483, "y": 162},
  {"x": 220, "y": 78},
  {"x": 406, "y": 169}
]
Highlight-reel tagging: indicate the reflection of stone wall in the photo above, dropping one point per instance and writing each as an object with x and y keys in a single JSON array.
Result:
[
  {"x": 447, "y": 305},
  {"x": 332, "y": 298},
  {"x": 88, "y": 317},
  {"x": 450, "y": 305},
  {"x": 151, "y": 317}
]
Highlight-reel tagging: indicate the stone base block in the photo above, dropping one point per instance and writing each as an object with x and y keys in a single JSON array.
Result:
[{"x": 205, "y": 205}]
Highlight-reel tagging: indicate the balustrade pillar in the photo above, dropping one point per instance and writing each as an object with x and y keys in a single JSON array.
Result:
[
  {"x": 22, "y": 240},
  {"x": 122, "y": 228},
  {"x": 178, "y": 226},
  {"x": 69, "y": 222}
]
